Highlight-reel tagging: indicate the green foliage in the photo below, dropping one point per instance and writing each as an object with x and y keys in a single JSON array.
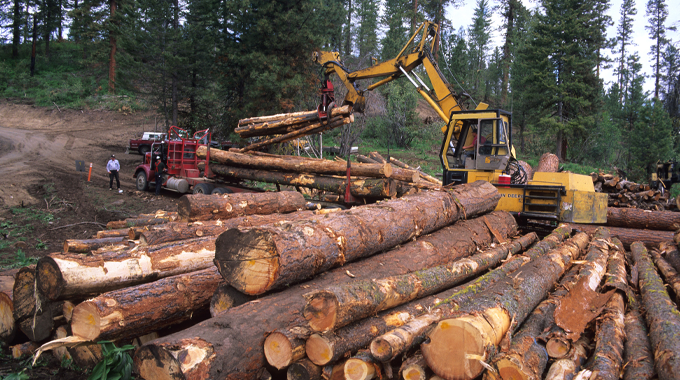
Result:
[
  {"x": 20, "y": 260},
  {"x": 652, "y": 139},
  {"x": 400, "y": 125},
  {"x": 116, "y": 363},
  {"x": 17, "y": 376}
]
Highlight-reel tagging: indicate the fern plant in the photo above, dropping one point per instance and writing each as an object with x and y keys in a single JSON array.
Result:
[{"x": 116, "y": 363}]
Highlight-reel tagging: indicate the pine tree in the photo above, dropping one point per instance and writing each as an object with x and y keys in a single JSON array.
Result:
[
  {"x": 394, "y": 21},
  {"x": 479, "y": 39},
  {"x": 367, "y": 37},
  {"x": 624, "y": 34},
  {"x": 657, "y": 11},
  {"x": 602, "y": 21},
  {"x": 653, "y": 140},
  {"x": 671, "y": 69}
]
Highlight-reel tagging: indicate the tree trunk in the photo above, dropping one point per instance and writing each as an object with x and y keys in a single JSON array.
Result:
[
  {"x": 114, "y": 46},
  {"x": 243, "y": 356},
  {"x": 7, "y": 325},
  {"x": 63, "y": 276},
  {"x": 386, "y": 347},
  {"x": 87, "y": 245},
  {"x": 662, "y": 316},
  {"x": 226, "y": 297},
  {"x": 183, "y": 231},
  {"x": 456, "y": 345},
  {"x": 548, "y": 163},
  {"x": 370, "y": 188},
  {"x": 16, "y": 30},
  {"x": 120, "y": 232},
  {"x": 282, "y": 347},
  {"x": 297, "y": 251},
  {"x": 304, "y": 369},
  {"x": 609, "y": 340},
  {"x": 134, "y": 311},
  {"x": 637, "y": 349},
  {"x": 35, "y": 37},
  {"x": 651, "y": 238},
  {"x": 639, "y": 219},
  {"x": 339, "y": 306},
  {"x": 295, "y": 164},
  {"x": 211, "y": 207},
  {"x": 366, "y": 160},
  {"x": 142, "y": 221},
  {"x": 33, "y": 312}
]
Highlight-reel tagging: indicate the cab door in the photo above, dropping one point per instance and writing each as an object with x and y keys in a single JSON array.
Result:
[{"x": 492, "y": 144}]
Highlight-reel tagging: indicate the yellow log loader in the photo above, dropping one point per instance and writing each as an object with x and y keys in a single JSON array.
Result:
[{"x": 477, "y": 144}]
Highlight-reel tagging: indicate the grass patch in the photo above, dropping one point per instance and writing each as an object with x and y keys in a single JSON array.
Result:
[{"x": 20, "y": 260}]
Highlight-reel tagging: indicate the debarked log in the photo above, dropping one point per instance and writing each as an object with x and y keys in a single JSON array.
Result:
[
  {"x": 457, "y": 345},
  {"x": 643, "y": 219},
  {"x": 202, "y": 349},
  {"x": 134, "y": 311},
  {"x": 371, "y": 188},
  {"x": 64, "y": 276},
  {"x": 662, "y": 315},
  {"x": 255, "y": 260},
  {"x": 339, "y": 306},
  {"x": 87, "y": 245},
  {"x": 295, "y": 164},
  {"x": 212, "y": 207}
]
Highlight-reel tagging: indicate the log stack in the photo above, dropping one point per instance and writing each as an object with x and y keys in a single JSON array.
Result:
[{"x": 627, "y": 194}]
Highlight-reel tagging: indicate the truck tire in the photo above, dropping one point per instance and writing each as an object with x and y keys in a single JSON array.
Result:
[
  {"x": 221, "y": 190},
  {"x": 143, "y": 149},
  {"x": 203, "y": 188},
  {"x": 142, "y": 181}
]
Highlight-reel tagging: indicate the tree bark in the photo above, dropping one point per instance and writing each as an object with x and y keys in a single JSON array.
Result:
[
  {"x": 237, "y": 353},
  {"x": 339, "y": 306},
  {"x": 669, "y": 251},
  {"x": 332, "y": 123},
  {"x": 33, "y": 312},
  {"x": 609, "y": 340},
  {"x": 87, "y": 245},
  {"x": 294, "y": 164},
  {"x": 183, "y": 231},
  {"x": 456, "y": 345},
  {"x": 140, "y": 222},
  {"x": 651, "y": 238},
  {"x": 370, "y": 188},
  {"x": 284, "y": 123},
  {"x": 114, "y": 46},
  {"x": 63, "y": 276},
  {"x": 662, "y": 315},
  {"x": 386, "y": 347},
  {"x": 637, "y": 349},
  {"x": 304, "y": 369},
  {"x": 296, "y": 251},
  {"x": 226, "y": 297},
  {"x": 641, "y": 219},
  {"x": 212, "y": 207},
  {"x": 16, "y": 30},
  {"x": 548, "y": 163},
  {"x": 120, "y": 232},
  {"x": 134, "y": 311},
  {"x": 668, "y": 272}
]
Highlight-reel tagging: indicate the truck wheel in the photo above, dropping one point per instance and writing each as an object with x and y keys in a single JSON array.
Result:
[
  {"x": 142, "y": 182},
  {"x": 203, "y": 188},
  {"x": 221, "y": 190},
  {"x": 144, "y": 149}
]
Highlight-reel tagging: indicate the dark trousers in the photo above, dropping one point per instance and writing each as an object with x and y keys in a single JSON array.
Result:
[
  {"x": 159, "y": 183},
  {"x": 112, "y": 175}
]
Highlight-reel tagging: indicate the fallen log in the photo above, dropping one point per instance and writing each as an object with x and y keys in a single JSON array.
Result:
[
  {"x": 133, "y": 311},
  {"x": 304, "y": 369},
  {"x": 669, "y": 251},
  {"x": 387, "y": 346},
  {"x": 366, "y": 160},
  {"x": 295, "y": 251},
  {"x": 225, "y": 297},
  {"x": 457, "y": 345},
  {"x": 662, "y": 316},
  {"x": 7, "y": 325},
  {"x": 87, "y": 245},
  {"x": 651, "y": 238},
  {"x": 637, "y": 353},
  {"x": 282, "y": 347},
  {"x": 639, "y": 219},
  {"x": 294, "y": 164},
  {"x": 125, "y": 232},
  {"x": 183, "y": 231},
  {"x": 370, "y": 188},
  {"x": 548, "y": 163},
  {"x": 338, "y": 306},
  {"x": 242, "y": 357},
  {"x": 668, "y": 272},
  {"x": 142, "y": 221},
  {"x": 33, "y": 312},
  {"x": 65, "y": 276},
  {"x": 210, "y": 207}
]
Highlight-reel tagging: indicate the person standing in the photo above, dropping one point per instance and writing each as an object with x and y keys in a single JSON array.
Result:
[
  {"x": 160, "y": 168},
  {"x": 113, "y": 166}
]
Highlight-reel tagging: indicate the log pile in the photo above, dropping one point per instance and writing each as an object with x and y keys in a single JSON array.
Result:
[{"x": 627, "y": 194}]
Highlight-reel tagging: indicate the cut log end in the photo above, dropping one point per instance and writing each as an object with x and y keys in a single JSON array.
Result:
[
  {"x": 356, "y": 369},
  {"x": 49, "y": 278},
  {"x": 414, "y": 373},
  {"x": 509, "y": 369},
  {"x": 7, "y": 326},
  {"x": 254, "y": 260},
  {"x": 319, "y": 349},
  {"x": 381, "y": 349},
  {"x": 558, "y": 348},
  {"x": 303, "y": 370},
  {"x": 152, "y": 362},
  {"x": 85, "y": 321},
  {"x": 278, "y": 350},
  {"x": 321, "y": 311}
]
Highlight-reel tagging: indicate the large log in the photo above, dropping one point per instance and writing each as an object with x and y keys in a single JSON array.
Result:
[
  {"x": 662, "y": 315},
  {"x": 33, "y": 312},
  {"x": 457, "y": 345},
  {"x": 548, "y": 163},
  {"x": 64, "y": 276},
  {"x": 212, "y": 207},
  {"x": 329, "y": 347},
  {"x": 277, "y": 124},
  {"x": 669, "y": 251},
  {"x": 338, "y": 306},
  {"x": 236, "y": 353},
  {"x": 294, "y": 164},
  {"x": 651, "y": 238},
  {"x": 387, "y": 346},
  {"x": 637, "y": 349},
  {"x": 130, "y": 312},
  {"x": 371, "y": 188},
  {"x": 639, "y": 219},
  {"x": 183, "y": 231},
  {"x": 668, "y": 272},
  {"x": 255, "y": 260},
  {"x": 87, "y": 245}
]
